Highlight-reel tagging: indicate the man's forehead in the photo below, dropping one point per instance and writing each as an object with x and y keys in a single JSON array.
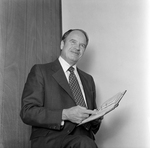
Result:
[{"x": 76, "y": 35}]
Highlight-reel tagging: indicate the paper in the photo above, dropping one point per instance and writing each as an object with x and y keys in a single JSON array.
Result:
[{"x": 106, "y": 107}]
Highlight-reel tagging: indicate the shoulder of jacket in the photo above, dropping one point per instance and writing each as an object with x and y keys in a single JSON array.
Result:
[
  {"x": 45, "y": 65},
  {"x": 83, "y": 72}
]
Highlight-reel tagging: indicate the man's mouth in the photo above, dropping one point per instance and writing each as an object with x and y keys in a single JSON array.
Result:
[{"x": 77, "y": 53}]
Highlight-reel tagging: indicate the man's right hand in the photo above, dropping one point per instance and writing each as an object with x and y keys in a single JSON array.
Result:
[{"x": 76, "y": 114}]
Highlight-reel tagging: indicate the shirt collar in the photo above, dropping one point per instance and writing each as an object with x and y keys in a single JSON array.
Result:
[{"x": 65, "y": 65}]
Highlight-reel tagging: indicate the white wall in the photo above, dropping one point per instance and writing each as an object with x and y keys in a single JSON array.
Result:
[{"x": 118, "y": 59}]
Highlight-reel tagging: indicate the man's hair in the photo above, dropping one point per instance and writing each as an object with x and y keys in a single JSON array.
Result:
[{"x": 69, "y": 31}]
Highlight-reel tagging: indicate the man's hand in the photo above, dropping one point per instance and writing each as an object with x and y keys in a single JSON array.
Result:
[{"x": 76, "y": 114}]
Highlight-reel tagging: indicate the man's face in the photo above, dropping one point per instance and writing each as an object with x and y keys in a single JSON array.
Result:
[{"x": 73, "y": 48}]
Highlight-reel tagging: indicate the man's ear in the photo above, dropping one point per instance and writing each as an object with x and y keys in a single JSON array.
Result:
[{"x": 62, "y": 45}]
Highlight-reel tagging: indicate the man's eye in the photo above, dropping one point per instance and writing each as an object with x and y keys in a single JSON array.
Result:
[
  {"x": 73, "y": 42},
  {"x": 83, "y": 46}
]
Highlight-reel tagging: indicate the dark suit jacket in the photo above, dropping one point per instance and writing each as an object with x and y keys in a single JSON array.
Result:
[{"x": 46, "y": 94}]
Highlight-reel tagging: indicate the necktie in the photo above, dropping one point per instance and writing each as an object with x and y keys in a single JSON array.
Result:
[{"x": 75, "y": 88}]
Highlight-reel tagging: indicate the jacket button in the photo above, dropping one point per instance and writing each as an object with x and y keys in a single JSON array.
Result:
[
  {"x": 87, "y": 128},
  {"x": 68, "y": 131}
]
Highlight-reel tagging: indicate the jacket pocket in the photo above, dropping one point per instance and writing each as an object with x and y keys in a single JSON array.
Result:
[{"x": 39, "y": 133}]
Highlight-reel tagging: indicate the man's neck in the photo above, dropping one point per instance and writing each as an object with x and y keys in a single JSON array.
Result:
[{"x": 70, "y": 63}]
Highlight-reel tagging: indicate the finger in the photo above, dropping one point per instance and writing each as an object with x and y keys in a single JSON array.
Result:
[
  {"x": 81, "y": 107},
  {"x": 84, "y": 115},
  {"x": 88, "y": 111},
  {"x": 95, "y": 109}
]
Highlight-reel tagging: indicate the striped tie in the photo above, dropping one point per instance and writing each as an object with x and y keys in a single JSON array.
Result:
[{"x": 75, "y": 88}]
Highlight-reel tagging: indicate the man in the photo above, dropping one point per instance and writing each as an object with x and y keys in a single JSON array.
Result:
[{"x": 50, "y": 104}]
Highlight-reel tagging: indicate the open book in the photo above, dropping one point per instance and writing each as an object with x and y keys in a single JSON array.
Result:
[{"x": 106, "y": 107}]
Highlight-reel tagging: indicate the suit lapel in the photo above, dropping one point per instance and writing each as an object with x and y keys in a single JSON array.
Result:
[
  {"x": 87, "y": 91},
  {"x": 60, "y": 77}
]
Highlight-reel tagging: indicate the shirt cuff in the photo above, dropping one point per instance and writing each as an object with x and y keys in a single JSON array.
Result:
[{"x": 62, "y": 123}]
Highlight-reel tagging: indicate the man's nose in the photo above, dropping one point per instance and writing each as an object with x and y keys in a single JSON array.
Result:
[{"x": 77, "y": 46}]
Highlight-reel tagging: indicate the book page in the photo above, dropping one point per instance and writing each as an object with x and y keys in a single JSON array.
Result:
[{"x": 106, "y": 107}]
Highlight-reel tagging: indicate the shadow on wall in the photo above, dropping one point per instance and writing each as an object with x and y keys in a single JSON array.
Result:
[
  {"x": 86, "y": 62},
  {"x": 108, "y": 131}
]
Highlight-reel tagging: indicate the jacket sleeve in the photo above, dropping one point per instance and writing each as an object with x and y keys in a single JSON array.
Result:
[{"x": 33, "y": 111}]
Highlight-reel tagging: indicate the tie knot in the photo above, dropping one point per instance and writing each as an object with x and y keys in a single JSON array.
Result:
[{"x": 71, "y": 69}]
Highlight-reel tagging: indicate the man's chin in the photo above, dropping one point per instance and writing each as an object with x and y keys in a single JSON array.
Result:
[{"x": 74, "y": 61}]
